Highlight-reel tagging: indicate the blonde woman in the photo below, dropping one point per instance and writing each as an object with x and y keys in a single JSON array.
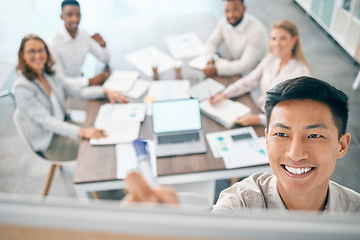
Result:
[{"x": 286, "y": 60}]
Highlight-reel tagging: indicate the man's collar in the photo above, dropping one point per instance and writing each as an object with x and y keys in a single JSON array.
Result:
[
  {"x": 274, "y": 198},
  {"x": 333, "y": 203},
  {"x": 66, "y": 35},
  {"x": 241, "y": 26}
]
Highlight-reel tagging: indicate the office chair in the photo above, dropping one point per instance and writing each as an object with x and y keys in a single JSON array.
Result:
[
  {"x": 8, "y": 92},
  {"x": 53, "y": 164}
]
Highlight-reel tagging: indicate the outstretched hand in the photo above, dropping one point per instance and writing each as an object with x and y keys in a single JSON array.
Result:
[
  {"x": 139, "y": 191},
  {"x": 115, "y": 96},
  {"x": 91, "y": 132},
  {"x": 210, "y": 69}
]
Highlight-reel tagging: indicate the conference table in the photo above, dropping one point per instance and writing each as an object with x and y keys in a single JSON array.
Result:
[{"x": 96, "y": 165}]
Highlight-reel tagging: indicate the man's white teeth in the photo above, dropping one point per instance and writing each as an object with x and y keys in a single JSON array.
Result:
[{"x": 297, "y": 171}]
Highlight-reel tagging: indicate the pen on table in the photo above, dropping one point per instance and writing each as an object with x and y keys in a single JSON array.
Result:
[{"x": 143, "y": 157}]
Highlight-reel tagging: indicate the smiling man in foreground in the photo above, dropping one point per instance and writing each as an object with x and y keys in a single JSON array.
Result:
[{"x": 305, "y": 135}]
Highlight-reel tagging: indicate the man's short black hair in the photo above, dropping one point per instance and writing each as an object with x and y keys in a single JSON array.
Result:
[
  {"x": 242, "y": 1},
  {"x": 303, "y": 88},
  {"x": 69, "y": 2}
]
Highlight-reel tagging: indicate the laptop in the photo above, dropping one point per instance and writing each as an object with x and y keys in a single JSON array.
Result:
[{"x": 177, "y": 127}]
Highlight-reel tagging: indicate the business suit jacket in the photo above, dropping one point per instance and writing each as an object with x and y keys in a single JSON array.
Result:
[{"x": 36, "y": 110}]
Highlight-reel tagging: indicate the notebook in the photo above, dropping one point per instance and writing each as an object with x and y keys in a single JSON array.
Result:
[
  {"x": 116, "y": 132},
  {"x": 121, "y": 122},
  {"x": 200, "y": 62},
  {"x": 205, "y": 89},
  {"x": 177, "y": 127},
  {"x": 225, "y": 112},
  {"x": 121, "y": 81}
]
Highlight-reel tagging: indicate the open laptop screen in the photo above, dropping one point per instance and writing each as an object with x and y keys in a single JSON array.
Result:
[{"x": 176, "y": 115}]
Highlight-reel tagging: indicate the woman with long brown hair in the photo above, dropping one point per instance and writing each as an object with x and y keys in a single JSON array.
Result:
[{"x": 40, "y": 98}]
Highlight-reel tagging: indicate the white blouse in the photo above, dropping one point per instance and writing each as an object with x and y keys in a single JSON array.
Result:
[
  {"x": 267, "y": 75},
  {"x": 58, "y": 112}
]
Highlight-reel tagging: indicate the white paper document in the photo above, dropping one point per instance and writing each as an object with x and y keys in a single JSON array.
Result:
[
  {"x": 116, "y": 131},
  {"x": 126, "y": 159},
  {"x": 122, "y": 112},
  {"x": 225, "y": 112},
  {"x": 200, "y": 62},
  {"x": 167, "y": 90},
  {"x": 138, "y": 88},
  {"x": 146, "y": 58},
  {"x": 206, "y": 88},
  {"x": 239, "y": 147},
  {"x": 121, "y": 81},
  {"x": 185, "y": 45}
]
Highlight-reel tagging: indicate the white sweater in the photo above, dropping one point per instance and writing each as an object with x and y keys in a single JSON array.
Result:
[{"x": 247, "y": 43}]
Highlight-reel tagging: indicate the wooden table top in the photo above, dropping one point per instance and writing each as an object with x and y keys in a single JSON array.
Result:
[{"x": 98, "y": 163}]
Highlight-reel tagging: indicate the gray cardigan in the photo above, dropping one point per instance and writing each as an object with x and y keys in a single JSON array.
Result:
[{"x": 38, "y": 121}]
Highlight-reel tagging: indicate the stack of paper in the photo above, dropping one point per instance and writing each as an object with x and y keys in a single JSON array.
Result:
[
  {"x": 116, "y": 132},
  {"x": 121, "y": 81},
  {"x": 225, "y": 112},
  {"x": 169, "y": 89},
  {"x": 239, "y": 147},
  {"x": 206, "y": 89},
  {"x": 122, "y": 112},
  {"x": 145, "y": 58},
  {"x": 185, "y": 45},
  {"x": 121, "y": 122},
  {"x": 200, "y": 62}
]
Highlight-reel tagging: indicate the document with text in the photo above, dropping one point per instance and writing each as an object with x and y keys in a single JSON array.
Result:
[
  {"x": 166, "y": 90},
  {"x": 146, "y": 58},
  {"x": 185, "y": 45},
  {"x": 116, "y": 132},
  {"x": 238, "y": 147},
  {"x": 124, "y": 112}
]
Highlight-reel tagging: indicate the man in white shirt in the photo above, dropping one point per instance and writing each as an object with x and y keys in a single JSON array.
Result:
[
  {"x": 305, "y": 135},
  {"x": 245, "y": 37},
  {"x": 71, "y": 44}
]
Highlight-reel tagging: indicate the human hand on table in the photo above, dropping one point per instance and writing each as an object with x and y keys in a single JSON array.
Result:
[
  {"x": 115, "y": 96},
  {"x": 91, "y": 132},
  {"x": 210, "y": 69},
  {"x": 217, "y": 98},
  {"x": 248, "y": 120},
  {"x": 139, "y": 191}
]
